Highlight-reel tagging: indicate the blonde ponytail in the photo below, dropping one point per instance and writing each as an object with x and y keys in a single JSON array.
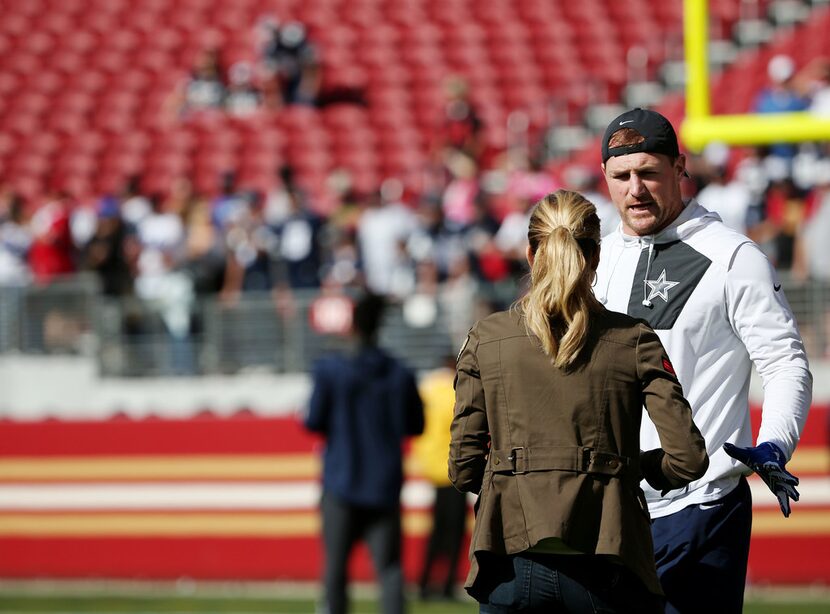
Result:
[{"x": 564, "y": 240}]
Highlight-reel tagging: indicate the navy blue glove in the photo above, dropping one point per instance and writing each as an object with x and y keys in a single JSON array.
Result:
[{"x": 767, "y": 460}]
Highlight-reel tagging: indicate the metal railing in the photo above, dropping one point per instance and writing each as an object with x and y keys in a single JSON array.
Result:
[{"x": 129, "y": 337}]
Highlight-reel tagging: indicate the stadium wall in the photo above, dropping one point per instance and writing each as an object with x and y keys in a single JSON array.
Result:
[{"x": 215, "y": 489}]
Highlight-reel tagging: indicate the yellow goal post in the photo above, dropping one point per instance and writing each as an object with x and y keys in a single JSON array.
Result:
[{"x": 700, "y": 127}]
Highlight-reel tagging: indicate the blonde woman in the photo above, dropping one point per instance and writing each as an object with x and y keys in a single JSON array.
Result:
[{"x": 549, "y": 399}]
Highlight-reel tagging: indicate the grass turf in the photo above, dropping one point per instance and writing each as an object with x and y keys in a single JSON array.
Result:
[{"x": 163, "y": 604}]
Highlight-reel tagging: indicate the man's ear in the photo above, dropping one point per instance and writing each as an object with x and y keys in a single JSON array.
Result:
[{"x": 681, "y": 166}]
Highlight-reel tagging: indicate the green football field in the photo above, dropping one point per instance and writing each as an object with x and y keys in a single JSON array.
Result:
[{"x": 151, "y": 598}]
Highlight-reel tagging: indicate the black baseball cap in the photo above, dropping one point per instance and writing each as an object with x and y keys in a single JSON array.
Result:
[{"x": 657, "y": 130}]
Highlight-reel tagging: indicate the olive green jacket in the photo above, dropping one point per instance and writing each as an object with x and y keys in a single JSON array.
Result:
[{"x": 556, "y": 454}]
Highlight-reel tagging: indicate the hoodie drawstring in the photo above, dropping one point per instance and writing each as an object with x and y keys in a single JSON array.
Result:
[{"x": 646, "y": 302}]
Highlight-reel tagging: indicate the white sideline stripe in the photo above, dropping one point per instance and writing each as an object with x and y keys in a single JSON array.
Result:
[
  {"x": 813, "y": 491},
  {"x": 201, "y": 496},
  {"x": 417, "y": 494}
]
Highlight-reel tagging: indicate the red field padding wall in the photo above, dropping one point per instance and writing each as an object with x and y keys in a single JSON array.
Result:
[{"x": 235, "y": 498}]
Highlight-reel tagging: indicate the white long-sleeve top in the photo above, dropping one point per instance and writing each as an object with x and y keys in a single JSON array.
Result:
[{"x": 717, "y": 305}]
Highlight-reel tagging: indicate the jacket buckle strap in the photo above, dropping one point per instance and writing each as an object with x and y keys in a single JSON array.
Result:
[
  {"x": 606, "y": 463},
  {"x": 518, "y": 456},
  {"x": 584, "y": 463}
]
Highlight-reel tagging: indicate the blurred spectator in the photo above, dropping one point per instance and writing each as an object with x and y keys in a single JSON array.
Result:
[
  {"x": 229, "y": 204},
  {"x": 752, "y": 172},
  {"x": 300, "y": 241},
  {"x": 816, "y": 76},
  {"x": 457, "y": 297},
  {"x": 296, "y": 230},
  {"x": 52, "y": 252},
  {"x": 347, "y": 198},
  {"x": 242, "y": 98},
  {"x": 727, "y": 197},
  {"x": 251, "y": 247},
  {"x": 205, "y": 254},
  {"x": 587, "y": 182},
  {"x": 419, "y": 304},
  {"x": 291, "y": 61},
  {"x": 461, "y": 130},
  {"x": 784, "y": 93},
  {"x": 382, "y": 231},
  {"x": 813, "y": 244},
  {"x": 459, "y": 197},
  {"x": 83, "y": 220},
  {"x": 821, "y": 101},
  {"x": 527, "y": 179},
  {"x": 432, "y": 240},
  {"x": 342, "y": 268},
  {"x": 15, "y": 241},
  {"x": 511, "y": 238},
  {"x": 162, "y": 282},
  {"x": 439, "y": 568},
  {"x": 205, "y": 89},
  {"x": 107, "y": 252},
  {"x": 365, "y": 403},
  {"x": 135, "y": 206},
  {"x": 278, "y": 200},
  {"x": 488, "y": 264},
  {"x": 786, "y": 209}
]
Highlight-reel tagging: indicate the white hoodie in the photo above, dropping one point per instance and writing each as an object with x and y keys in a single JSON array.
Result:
[{"x": 717, "y": 305}]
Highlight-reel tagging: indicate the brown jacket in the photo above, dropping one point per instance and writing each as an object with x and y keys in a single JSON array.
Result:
[{"x": 556, "y": 454}]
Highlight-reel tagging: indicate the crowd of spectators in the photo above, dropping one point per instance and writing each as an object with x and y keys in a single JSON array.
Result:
[
  {"x": 462, "y": 238},
  {"x": 285, "y": 70},
  {"x": 466, "y": 239},
  {"x": 779, "y": 194}
]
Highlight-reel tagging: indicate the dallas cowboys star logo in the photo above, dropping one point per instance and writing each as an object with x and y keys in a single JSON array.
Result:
[{"x": 660, "y": 287}]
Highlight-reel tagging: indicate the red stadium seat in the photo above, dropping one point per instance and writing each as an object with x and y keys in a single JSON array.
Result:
[{"x": 99, "y": 76}]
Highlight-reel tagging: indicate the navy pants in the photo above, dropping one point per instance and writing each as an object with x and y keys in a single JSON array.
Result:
[
  {"x": 701, "y": 554},
  {"x": 547, "y": 583},
  {"x": 343, "y": 526}
]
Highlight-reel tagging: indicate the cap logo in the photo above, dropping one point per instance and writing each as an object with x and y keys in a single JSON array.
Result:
[{"x": 657, "y": 135}]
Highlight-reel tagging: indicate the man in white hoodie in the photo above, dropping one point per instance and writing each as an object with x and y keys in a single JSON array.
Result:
[{"x": 717, "y": 305}]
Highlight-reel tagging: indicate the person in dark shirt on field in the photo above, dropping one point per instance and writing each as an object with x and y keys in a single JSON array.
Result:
[{"x": 365, "y": 403}]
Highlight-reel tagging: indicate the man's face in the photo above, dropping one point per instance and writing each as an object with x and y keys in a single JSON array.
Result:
[{"x": 645, "y": 188}]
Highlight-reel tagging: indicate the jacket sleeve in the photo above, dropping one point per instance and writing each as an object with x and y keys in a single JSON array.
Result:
[
  {"x": 319, "y": 405},
  {"x": 682, "y": 457},
  {"x": 469, "y": 432},
  {"x": 762, "y": 318}
]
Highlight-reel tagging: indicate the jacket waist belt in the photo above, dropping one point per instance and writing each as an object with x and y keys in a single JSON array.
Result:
[{"x": 556, "y": 458}]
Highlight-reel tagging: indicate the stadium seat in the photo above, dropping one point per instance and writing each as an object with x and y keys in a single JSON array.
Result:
[{"x": 514, "y": 55}]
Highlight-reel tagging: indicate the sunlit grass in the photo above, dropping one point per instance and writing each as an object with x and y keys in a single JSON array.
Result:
[{"x": 153, "y": 599}]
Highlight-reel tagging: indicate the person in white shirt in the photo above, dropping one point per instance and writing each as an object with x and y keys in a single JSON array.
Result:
[
  {"x": 718, "y": 307},
  {"x": 725, "y": 195},
  {"x": 382, "y": 231}
]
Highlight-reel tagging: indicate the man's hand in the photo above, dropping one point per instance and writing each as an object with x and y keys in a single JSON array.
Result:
[{"x": 767, "y": 460}]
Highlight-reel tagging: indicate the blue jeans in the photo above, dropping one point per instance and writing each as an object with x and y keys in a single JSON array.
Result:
[
  {"x": 705, "y": 546},
  {"x": 547, "y": 583}
]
